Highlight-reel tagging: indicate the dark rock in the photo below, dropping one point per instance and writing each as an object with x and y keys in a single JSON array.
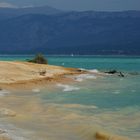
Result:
[
  {"x": 42, "y": 73},
  {"x": 111, "y": 72},
  {"x": 121, "y": 74},
  {"x": 78, "y": 70}
]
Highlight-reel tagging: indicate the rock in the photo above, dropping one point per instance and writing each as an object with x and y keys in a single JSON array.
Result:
[
  {"x": 79, "y": 70},
  {"x": 42, "y": 72},
  {"x": 115, "y": 72},
  {"x": 7, "y": 113},
  {"x": 104, "y": 136},
  {"x": 4, "y": 135},
  {"x": 111, "y": 72},
  {"x": 2, "y": 131},
  {"x": 121, "y": 74}
]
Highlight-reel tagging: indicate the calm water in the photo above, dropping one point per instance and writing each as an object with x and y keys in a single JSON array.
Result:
[{"x": 75, "y": 111}]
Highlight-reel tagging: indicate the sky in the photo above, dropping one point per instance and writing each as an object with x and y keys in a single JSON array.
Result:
[{"x": 79, "y": 5}]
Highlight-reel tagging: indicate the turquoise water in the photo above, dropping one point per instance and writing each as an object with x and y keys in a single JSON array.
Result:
[
  {"x": 108, "y": 103},
  {"x": 126, "y": 63},
  {"x": 102, "y": 93}
]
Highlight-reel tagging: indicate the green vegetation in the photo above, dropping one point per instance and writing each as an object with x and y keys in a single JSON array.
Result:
[{"x": 39, "y": 59}]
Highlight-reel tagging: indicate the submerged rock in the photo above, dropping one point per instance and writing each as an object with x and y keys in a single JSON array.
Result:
[
  {"x": 101, "y": 136},
  {"x": 104, "y": 136},
  {"x": 2, "y": 137},
  {"x": 2, "y": 131},
  {"x": 7, "y": 113},
  {"x": 121, "y": 74}
]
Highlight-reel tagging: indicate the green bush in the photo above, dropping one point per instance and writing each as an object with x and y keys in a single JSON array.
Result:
[{"x": 39, "y": 59}]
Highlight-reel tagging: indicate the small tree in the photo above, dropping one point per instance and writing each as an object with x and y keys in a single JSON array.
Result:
[{"x": 39, "y": 59}]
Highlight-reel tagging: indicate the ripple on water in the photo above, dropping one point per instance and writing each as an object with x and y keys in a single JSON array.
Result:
[{"x": 116, "y": 92}]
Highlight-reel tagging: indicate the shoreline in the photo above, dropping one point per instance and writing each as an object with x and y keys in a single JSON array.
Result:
[{"x": 25, "y": 75}]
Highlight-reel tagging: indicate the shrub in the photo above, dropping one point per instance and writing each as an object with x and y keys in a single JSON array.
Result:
[{"x": 39, "y": 59}]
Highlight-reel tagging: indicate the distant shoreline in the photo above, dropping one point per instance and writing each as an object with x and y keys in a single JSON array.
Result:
[{"x": 71, "y": 56}]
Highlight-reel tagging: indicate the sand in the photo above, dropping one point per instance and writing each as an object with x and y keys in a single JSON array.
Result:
[{"x": 25, "y": 74}]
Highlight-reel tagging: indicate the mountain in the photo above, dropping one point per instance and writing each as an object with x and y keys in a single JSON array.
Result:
[
  {"x": 14, "y": 12},
  {"x": 88, "y": 32}
]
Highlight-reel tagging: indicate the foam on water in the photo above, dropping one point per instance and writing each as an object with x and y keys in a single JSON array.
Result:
[
  {"x": 82, "y": 77},
  {"x": 133, "y": 90},
  {"x": 74, "y": 106},
  {"x": 91, "y": 70},
  {"x": 68, "y": 88},
  {"x": 78, "y": 106},
  {"x": 36, "y": 90},
  {"x": 13, "y": 133},
  {"x": 116, "y": 92},
  {"x": 4, "y": 92},
  {"x": 94, "y": 71}
]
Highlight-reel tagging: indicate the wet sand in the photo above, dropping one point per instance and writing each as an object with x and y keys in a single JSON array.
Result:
[{"x": 47, "y": 121}]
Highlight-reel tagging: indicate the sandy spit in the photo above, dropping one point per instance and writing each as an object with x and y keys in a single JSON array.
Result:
[{"x": 25, "y": 74}]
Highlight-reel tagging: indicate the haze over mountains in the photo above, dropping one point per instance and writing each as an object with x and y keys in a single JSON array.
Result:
[
  {"x": 14, "y": 12},
  {"x": 52, "y": 31}
]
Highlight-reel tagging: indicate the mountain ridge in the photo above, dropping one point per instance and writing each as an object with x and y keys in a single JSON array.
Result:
[
  {"x": 6, "y": 13},
  {"x": 72, "y": 32}
]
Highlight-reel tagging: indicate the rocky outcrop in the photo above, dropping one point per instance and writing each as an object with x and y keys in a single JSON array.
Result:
[{"x": 115, "y": 72}]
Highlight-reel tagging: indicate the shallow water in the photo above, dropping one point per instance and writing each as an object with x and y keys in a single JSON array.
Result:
[{"x": 76, "y": 110}]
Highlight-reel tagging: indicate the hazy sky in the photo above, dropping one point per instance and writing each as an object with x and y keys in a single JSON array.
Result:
[{"x": 77, "y": 4}]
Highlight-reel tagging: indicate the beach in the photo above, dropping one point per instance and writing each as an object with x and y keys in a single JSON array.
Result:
[
  {"x": 27, "y": 75},
  {"x": 67, "y": 103},
  {"x": 69, "y": 69}
]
